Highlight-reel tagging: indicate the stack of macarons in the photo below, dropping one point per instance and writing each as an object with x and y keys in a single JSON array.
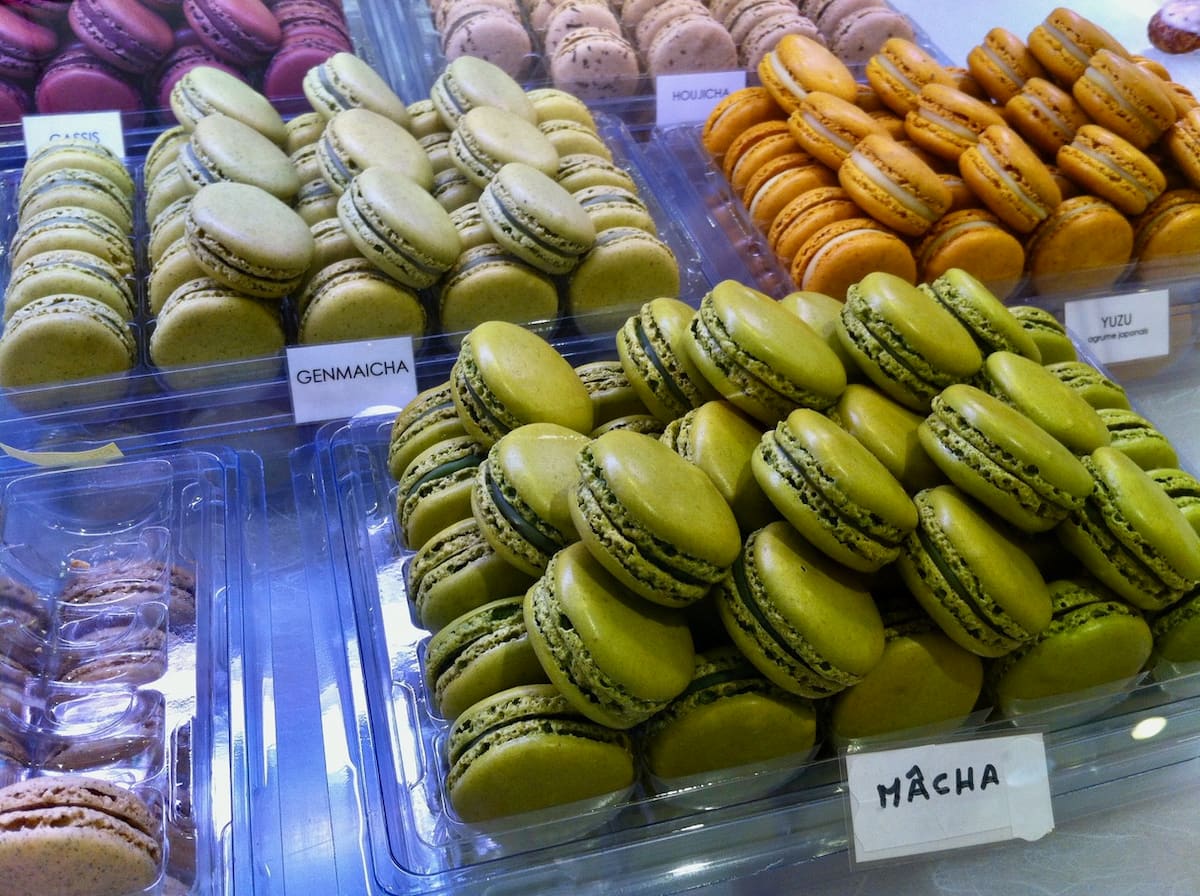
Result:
[
  {"x": 69, "y": 301},
  {"x": 735, "y": 485},
  {"x": 86, "y": 55},
  {"x": 1053, "y": 162}
]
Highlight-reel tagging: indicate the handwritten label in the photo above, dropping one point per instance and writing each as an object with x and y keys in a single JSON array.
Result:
[
  {"x": 944, "y": 796},
  {"x": 337, "y": 380},
  {"x": 100, "y": 127},
  {"x": 688, "y": 98},
  {"x": 1123, "y": 328}
]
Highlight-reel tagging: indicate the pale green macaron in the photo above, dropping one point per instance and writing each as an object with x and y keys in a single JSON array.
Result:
[
  {"x": 354, "y": 300},
  {"x": 69, "y": 271},
  {"x": 204, "y": 322},
  {"x": 63, "y": 338},
  {"x": 625, "y": 267}
]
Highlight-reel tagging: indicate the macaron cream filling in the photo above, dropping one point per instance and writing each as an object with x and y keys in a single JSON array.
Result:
[
  {"x": 518, "y": 515},
  {"x": 1030, "y": 207},
  {"x": 909, "y": 200},
  {"x": 1115, "y": 171}
]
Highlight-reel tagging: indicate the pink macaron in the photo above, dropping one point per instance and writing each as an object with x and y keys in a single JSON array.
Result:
[
  {"x": 180, "y": 61},
  {"x": 126, "y": 35},
  {"x": 241, "y": 32},
  {"x": 76, "y": 80},
  {"x": 14, "y": 101},
  {"x": 24, "y": 46}
]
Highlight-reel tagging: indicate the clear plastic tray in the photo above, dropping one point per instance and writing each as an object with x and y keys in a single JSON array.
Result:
[
  {"x": 134, "y": 574},
  {"x": 656, "y": 840}
]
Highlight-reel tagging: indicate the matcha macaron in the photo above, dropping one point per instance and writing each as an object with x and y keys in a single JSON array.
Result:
[
  {"x": 435, "y": 489},
  {"x": 979, "y": 310},
  {"x": 428, "y": 417},
  {"x": 535, "y": 218},
  {"x": 651, "y": 346}
]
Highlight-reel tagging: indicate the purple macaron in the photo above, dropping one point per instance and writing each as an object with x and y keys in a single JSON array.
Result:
[
  {"x": 311, "y": 18},
  {"x": 77, "y": 80},
  {"x": 24, "y": 46},
  {"x": 123, "y": 33},
  {"x": 14, "y": 101},
  {"x": 241, "y": 32},
  {"x": 284, "y": 75},
  {"x": 48, "y": 12}
]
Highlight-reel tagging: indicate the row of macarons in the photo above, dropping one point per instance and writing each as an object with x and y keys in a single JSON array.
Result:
[
  {"x": 633, "y": 499},
  {"x": 101, "y": 54},
  {"x": 957, "y": 167}
]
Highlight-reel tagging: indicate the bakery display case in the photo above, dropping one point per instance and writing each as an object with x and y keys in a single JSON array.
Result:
[{"x": 270, "y": 700}]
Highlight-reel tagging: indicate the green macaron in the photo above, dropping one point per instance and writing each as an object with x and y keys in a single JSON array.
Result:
[
  {"x": 729, "y": 716},
  {"x": 222, "y": 148},
  {"x": 354, "y": 300},
  {"x": 357, "y": 139},
  {"x": 457, "y": 571},
  {"x": 536, "y": 219},
  {"x": 888, "y": 430},
  {"x": 506, "y": 376},
  {"x": 1097, "y": 389},
  {"x": 721, "y": 440},
  {"x": 428, "y": 417},
  {"x": 835, "y": 492},
  {"x": 526, "y": 749},
  {"x": 482, "y": 652},
  {"x": 78, "y": 187},
  {"x": 760, "y": 356},
  {"x": 1134, "y": 435},
  {"x": 610, "y": 206},
  {"x": 625, "y": 267},
  {"x": 651, "y": 348},
  {"x": 970, "y": 576},
  {"x": 399, "y": 226},
  {"x": 72, "y": 228},
  {"x": 578, "y": 170},
  {"x": 206, "y": 89},
  {"x": 470, "y": 81},
  {"x": 1130, "y": 535},
  {"x": 488, "y": 282},
  {"x": 346, "y": 81},
  {"x": 1183, "y": 489},
  {"x": 248, "y": 240},
  {"x": 80, "y": 154},
  {"x": 1048, "y": 333},
  {"x": 486, "y": 138},
  {"x": 808, "y": 623},
  {"x": 1045, "y": 399},
  {"x": 64, "y": 338},
  {"x": 617, "y": 658},
  {"x": 68, "y": 271},
  {"x": 520, "y": 493},
  {"x": 821, "y": 312},
  {"x": 610, "y": 389},
  {"x": 904, "y": 340},
  {"x": 435, "y": 489},
  {"x": 988, "y": 320},
  {"x": 1177, "y": 632},
  {"x": 636, "y": 506},
  {"x": 175, "y": 267},
  {"x": 1093, "y": 639},
  {"x": 1003, "y": 459}
]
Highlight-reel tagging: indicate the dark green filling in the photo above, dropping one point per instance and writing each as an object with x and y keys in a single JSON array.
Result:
[
  {"x": 978, "y": 621},
  {"x": 655, "y": 361},
  {"x": 520, "y": 525}
]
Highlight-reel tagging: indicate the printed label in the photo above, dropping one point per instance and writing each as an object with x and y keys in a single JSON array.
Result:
[
  {"x": 341, "y": 379},
  {"x": 1122, "y": 328},
  {"x": 688, "y": 98},
  {"x": 101, "y": 127},
  {"x": 944, "y": 796}
]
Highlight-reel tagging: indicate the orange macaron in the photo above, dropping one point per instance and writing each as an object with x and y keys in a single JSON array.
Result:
[
  {"x": 840, "y": 254},
  {"x": 805, "y": 215},
  {"x": 1166, "y": 236},
  {"x": 736, "y": 112},
  {"x": 799, "y": 65},
  {"x": 894, "y": 185},
  {"x": 898, "y": 71},
  {"x": 1009, "y": 178},
  {"x": 1045, "y": 115},
  {"x": 780, "y": 181},
  {"x": 754, "y": 147},
  {"x": 1112, "y": 168},
  {"x": 1065, "y": 40},
  {"x": 828, "y": 126},
  {"x": 945, "y": 120},
  {"x": 1085, "y": 243},
  {"x": 1129, "y": 100},
  {"x": 1001, "y": 64},
  {"x": 976, "y": 241}
]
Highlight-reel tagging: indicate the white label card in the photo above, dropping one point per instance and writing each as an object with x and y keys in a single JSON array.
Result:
[
  {"x": 1123, "y": 328},
  {"x": 935, "y": 797},
  {"x": 341, "y": 379},
  {"x": 688, "y": 98},
  {"x": 101, "y": 127}
]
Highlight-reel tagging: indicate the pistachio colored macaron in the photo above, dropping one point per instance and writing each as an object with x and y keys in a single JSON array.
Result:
[
  {"x": 625, "y": 267},
  {"x": 888, "y": 430},
  {"x": 1138, "y": 438},
  {"x": 1131, "y": 536},
  {"x": 1094, "y": 638},
  {"x": 978, "y": 309},
  {"x": 535, "y": 218},
  {"x": 1003, "y": 459},
  {"x": 1177, "y": 632},
  {"x": 617, "y": 658},
  {"x": 807, "y": 623},
  {"x": 204, "y": 322},
  {"x": 760, "y": 356},
  {"x": 1183, "y": 488},
  {"x": 905, "y": 341},
  {"x": 222, "y": 148},
  {"x": 821, "y": 312},
  {"x": 63, "y": 338},
  {"x": 428, "y": 417},
  {"x": 435, "y": 488},
  {"x": 207, "y": 89},
  {"x": 470, "y": 81},
  {"x": 1097, "y": 389},
  {"x": 611, "y": 391},
  {"x": 635, "y": 507},
  {"x": 506, "y": 376},
  {"x": 486, "y": 138},
  {"x": 72, "y": 228},
  {"x": 346, "y": 81},
  {"x": 969, "y": 574},
  {"x": 68, "y": 271},
  {"x": 488, "y": 282},
  {"x": 352, "y": 300},
  {"x": 835, "y": 492},
  {"x": 652, "y": 349},
  {"x": 80, "y": 188},
  {"x": 482, "y": 652},
  {"x": 527, "y": 748},
  {"x": 357, "y": 139},
  {"x": 1048, "y": 332},
  {"x": 520, "y": 493},
  {"x": 79, "y": 154}
]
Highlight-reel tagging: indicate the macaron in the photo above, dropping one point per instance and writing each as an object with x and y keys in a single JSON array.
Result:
[
  {"x": 828, "y": 126},
  {"x": 248, "y": 239},
  {"x": 1094, "y": 638},
  {"x": 1138, "y": 438},
  {"x": 242, "y": 33},
  {"x": 356, "y": 139},
  {"x": 944, "y": 120},
  {"x": 759, "y": 356},
  {"x": 624, "y": 268},
  {"x": 1085, "y": 243},
  {"x": 528, "y": 748},
  {"x": 923, "y": 680},
  {"x": 428, "y": 417},
  {"x": 79, "y": 229},
  {"x": 1127, "y": 99},
  {"x": 610, "y": 206},
  {"x": 205, "y": 89},
  {"x": 800, "y": 64},
  {"x": 569, "y": 136},
  {"x": 1177, "y": 634},
  {"x": 536, "y": 218},
  {"x": 596, "y": 64},
  {"x": 894, "y": 185},
  {"x": 520, "y": 493},
  {"x": 1097, "y": 389},
  {"x": 1002, "y": 64},
  {"x": 979, "y": 310},
  {"x": 354, "y": 300},
  {"x": 781, "y": 180},
  {"x": 633, "y": 508},
  {"x": 898, "y": 71},
  {"x": 905, "y": 341},
  {"x": 68, "y": 271},
  {"x": 975, "y": 581},
  {"x": 837, "y": 255},
  {"x": 1165, "y": 236},
  {"x": 345, "y": 81},
  {"x": 807, "y": 623},
  {"x": 1182, "y": 142},
  {"x": 1112, "y": 168},
  {"x": 505, "y": 376},
  {"x": 129, "y": 37},
  {"x": 486, "y": 138},
  {"x": 175, "y": 266},
  {"x": 488, "y": 282},
  {"x": 1065, "y": 40},
  {"x": 75, "y": 80},
  {"x": 399, "y": 226},
  {"x": 1003, "y": 459},
  {"x": 651, "y": 346},
  {"x": 490, "y": 31},
  {"x": 1130, "y": 535},
  {"x": 616, "y": 657},
  {"x": 77, "y": 188},
  {"x": 1046, "y": 115},
  {"x": 612, "y": 394},
  {"x": 821, "y": 312},
  {"x": 480, "y": 653},
  {"x": 579, "y": 170},
  {"x": 1048, "y": 332},
  {"x": 736, "y": 112},
  {"x": 78, "y": 154},
  {"x": 221, "y": 148},
  {"x": 976, "y": 241},
  {"x": 857, "y": 34},
  {"x": 834, "y": 491},
  {"x": 729, "y": 716},
  {"x": 1006, "y": 173},
  {"x": 25, "y": 47},
  {"x": 68, "y": 833},
  {"x": 456, "y": 571},
  {"x": 63, "y": 338},
  {"x": 469, "y": 81},
  {"x": 1183, "y": 488}
]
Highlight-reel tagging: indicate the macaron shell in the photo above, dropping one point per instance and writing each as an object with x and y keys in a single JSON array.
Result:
[
  {"x": 889, "y": 431},
  {"x": 626, "y": 267},
  {"x": 63, "y": 338}
]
